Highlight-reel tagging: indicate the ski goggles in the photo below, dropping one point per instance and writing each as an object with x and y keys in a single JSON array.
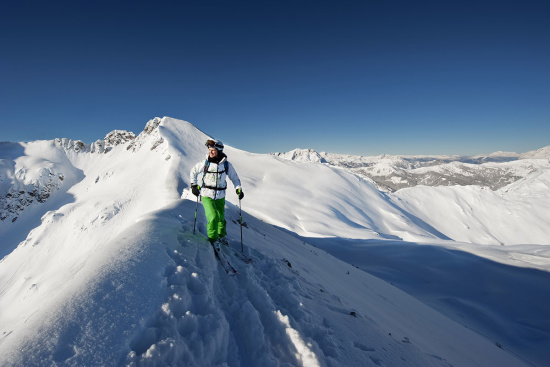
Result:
[{"x": 216, "y": 144}]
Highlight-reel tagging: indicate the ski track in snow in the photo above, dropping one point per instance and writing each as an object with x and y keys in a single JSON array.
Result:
[{"x": 210, "y": 318}]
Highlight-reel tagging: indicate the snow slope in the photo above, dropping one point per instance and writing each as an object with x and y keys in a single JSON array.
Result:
[
  {"x": 515, "y": 214},
  {"x": 498, "y": 199},
  {"x": 112, "y": 274}
]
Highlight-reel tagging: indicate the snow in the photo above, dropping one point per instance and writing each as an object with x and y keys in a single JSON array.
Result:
[
  {"x": 301, "y": 155},
  {"x": 107, "y": 270},
  {"x": 516, "y": 214}
]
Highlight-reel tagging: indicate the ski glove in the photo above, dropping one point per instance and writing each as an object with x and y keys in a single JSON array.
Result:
[
  {"x": 195, "y": 189},
  {"x": 240, "y": 194}
]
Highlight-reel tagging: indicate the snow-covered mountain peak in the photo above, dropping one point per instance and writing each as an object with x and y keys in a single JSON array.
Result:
[
  {"x": 152, "y": 125},
  {"x": 301, "y": 155},
  {"x": 150, "y": 136},
  {"x": 543, "y": 153}
]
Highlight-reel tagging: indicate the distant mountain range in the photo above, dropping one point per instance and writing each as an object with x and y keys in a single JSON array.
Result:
[{"x": 394, "y": 172}]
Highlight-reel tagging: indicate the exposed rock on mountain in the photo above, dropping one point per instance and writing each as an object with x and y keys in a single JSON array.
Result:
[{"x": 25, "y": 192}]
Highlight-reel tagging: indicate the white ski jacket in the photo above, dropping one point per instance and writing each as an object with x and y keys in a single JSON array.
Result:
[{"x": 212, "y": 177}]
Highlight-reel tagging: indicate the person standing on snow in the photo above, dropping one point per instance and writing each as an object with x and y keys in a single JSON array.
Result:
[{"x": 212, "y": 189}]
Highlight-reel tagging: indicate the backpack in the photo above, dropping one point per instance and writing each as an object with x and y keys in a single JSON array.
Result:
[{"x": 206, "y": 165}]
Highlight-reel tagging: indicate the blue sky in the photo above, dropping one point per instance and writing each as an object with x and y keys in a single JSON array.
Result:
[{"x": 357, "y": 77}]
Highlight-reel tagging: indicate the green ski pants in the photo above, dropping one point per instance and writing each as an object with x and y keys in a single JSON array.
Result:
[{"x": 215, "y": 215}]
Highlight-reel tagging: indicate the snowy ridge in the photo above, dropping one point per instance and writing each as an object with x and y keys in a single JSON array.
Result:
[
  {"x": 41, "y": 171},
  {"x": 32, "y": 172},
  {"x": 543, "y": 153},
  {"x": 478, "y": 215},
  {"x": 112, "y": 139},
  {"x": 108, "y": 272}
]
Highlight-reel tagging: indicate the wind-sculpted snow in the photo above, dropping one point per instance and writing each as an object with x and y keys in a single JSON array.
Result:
[
  {"x": 516, "y": 214},
  {"x": 108, "y": 272}
]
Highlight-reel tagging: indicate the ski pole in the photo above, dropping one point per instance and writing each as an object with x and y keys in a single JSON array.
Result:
[
  {"x": 241, "y": 221},
  {"x": 196, "y": 208}
]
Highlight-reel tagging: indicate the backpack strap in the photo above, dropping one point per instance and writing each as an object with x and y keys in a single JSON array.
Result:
[
  {"x": 206, "y": 166},
  {"x": 205, "y": 171},
  {"x": 225, "y": 166}
]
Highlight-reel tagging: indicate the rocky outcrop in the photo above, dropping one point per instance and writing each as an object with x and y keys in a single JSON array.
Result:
[
  {"x": 149, "y": 134},
  {"x": 111, "y": 140},
  {"x": 23, "y": 194},
  {"x": 118, "y": 137}
]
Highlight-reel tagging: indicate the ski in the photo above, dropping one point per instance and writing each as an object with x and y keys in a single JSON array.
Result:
[
  {"x": 241, "y": 256},
  {"x": 226, "y": 265}
]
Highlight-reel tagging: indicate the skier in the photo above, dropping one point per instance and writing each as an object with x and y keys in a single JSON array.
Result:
[{"x": 214, "y": 171}]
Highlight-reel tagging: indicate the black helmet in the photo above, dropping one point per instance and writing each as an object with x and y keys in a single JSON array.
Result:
[{"x": 213, "y": 143}]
